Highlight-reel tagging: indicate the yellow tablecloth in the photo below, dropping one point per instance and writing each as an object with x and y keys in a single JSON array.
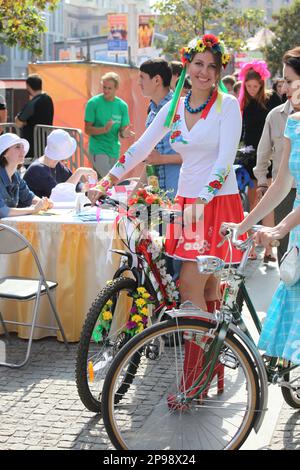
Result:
[{"x": 74, "y": 254}]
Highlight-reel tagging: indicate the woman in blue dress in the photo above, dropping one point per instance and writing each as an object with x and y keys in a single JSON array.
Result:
[{"x": 281, "y": 331}]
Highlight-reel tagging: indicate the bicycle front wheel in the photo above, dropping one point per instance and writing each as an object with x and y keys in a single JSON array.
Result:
[
  {"x": 100, "y": 340},
  {"x": 144, "y": 419}
]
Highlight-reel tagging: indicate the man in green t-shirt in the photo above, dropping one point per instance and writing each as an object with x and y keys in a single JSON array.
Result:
[{"x": 106, "y": 118}]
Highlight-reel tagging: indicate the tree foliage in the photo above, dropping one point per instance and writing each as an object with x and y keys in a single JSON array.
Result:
[
  {"x": 22, "y": 23},
  {"x": 287, "y": 35},
  {"x": 181, "y": 20}
]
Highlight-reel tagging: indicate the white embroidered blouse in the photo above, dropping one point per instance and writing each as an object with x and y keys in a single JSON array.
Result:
[{"x": 208, "y": 149}]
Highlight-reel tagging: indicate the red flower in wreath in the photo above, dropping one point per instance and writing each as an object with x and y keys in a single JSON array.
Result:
[
  {"x": 122, "y": 159},
  {"x": 210, "y": 40},
  {"x": 176, "y": 117},
  {"x": 215, "y": 184}
]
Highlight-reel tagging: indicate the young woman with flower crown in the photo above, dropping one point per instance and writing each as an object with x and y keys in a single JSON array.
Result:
[{"x": 206, "y": 128}]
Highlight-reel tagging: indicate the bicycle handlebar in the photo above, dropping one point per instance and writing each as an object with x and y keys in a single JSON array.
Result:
[
  {"x": 165, "y": 215},
  {"x": 231, "y": 233}
]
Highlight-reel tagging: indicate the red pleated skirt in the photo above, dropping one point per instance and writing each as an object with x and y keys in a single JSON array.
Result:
[{"x": 202, "y": 238}]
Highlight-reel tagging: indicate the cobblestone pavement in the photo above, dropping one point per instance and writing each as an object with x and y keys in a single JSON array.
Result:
[
  {"x": 39, "y": 405},
  {"x": 40, "y": 408},
  {"x": 287, "y": 432}
]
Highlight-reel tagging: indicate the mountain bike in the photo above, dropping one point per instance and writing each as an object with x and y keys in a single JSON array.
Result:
[
  {"x": 140, "y": 293},
  {"x": 205, "y": 393}
]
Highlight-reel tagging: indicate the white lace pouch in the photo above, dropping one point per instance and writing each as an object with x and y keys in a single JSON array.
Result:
[{"x": 290, "y": 266}]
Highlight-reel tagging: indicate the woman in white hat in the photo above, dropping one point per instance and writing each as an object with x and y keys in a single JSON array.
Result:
[
  {"x": 48, "y": 171},
  {"x": 15, "y": 196}
]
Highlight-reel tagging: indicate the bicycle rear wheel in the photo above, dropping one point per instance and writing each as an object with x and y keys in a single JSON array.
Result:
[
  {"x": 141, "y": 419},
  {"x": 292, "y": 396},
  {"x": 95, "y": 354}
]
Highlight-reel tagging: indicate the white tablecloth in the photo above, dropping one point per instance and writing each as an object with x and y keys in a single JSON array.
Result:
[{"x": 73, "y": 253}]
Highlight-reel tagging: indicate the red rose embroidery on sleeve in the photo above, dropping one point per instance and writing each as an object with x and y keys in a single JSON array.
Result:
[{"x": 215, "y": 184}]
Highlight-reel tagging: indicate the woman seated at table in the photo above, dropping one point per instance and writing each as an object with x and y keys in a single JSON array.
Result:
[
  {"x": 15, "y": 196},
  {"x": 48, "y": 171}
]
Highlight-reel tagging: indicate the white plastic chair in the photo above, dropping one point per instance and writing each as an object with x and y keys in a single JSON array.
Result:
[{"x": 25, "y": 289}]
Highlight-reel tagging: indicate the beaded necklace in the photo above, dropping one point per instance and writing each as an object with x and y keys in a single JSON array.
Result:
[{"x": 199, "y": 108}]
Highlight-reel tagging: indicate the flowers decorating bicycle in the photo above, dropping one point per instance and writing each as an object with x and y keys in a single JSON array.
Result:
[
  {"x": 139, "y": 312},
  {"x": 104, "y": 322}
]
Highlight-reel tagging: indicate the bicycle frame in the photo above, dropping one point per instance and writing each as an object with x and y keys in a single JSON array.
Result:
[{"x": 135, "y": 264}]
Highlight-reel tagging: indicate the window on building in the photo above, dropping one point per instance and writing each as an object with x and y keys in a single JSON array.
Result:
[{"x": 95, "y": 30}]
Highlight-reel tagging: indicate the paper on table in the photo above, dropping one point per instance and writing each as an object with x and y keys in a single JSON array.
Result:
[
  {"x": 64, "y": 205},
  {"x": 91, "y": 214}
]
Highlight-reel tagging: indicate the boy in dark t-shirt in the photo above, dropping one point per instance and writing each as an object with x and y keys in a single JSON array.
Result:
[{"x": 38, "y": 110}]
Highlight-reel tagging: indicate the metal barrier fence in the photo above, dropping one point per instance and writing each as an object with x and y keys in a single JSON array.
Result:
[
  {"x": 9, "y": 127},
  {"x": 40, "y": 137}
]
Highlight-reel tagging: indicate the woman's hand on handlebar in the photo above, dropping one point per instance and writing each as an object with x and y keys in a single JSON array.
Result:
[
  {"x": 94, "y": 195},
  {"x": 228, "y": 225},
  {"x": 269, "y": 236}
]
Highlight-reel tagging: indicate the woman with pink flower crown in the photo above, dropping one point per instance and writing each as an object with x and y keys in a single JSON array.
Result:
[
  {"x": 206, "y": 128},
  {"x": 256, "y": 102}
]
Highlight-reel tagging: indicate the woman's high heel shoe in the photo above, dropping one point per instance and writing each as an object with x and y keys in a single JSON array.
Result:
[{"x": 193, "y": 365}]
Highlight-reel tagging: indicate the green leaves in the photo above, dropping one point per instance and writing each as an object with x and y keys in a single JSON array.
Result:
[
  {"x": 22, "y": 23},
  {"x": 181, "y": 20},
  {"x": 286, "y": 27}
]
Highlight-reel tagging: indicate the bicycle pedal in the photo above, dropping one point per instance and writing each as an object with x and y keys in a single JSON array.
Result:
[{"x": 229, "y": 360}]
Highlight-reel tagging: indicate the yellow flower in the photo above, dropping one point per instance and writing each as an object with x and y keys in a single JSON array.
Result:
[
  {"x": 146, "y": 295},
  {"x": 136, "y": 318},
  {"x": 225, "y": 58},
  {"x": 107, "y": 315},
  {"x": 109, "y": 303},
  {"x": 140, "y": 328},
  {"x": 144, "y": 311},
  {"x": 200, "y": 47},
  {"x": 141, "y": 290},
  {"x": 140, "y": 302}
]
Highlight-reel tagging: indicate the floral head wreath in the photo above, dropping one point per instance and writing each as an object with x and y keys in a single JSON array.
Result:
[
  {"x": 258, "y": 66},
  {"x": 208, "y": 41}
]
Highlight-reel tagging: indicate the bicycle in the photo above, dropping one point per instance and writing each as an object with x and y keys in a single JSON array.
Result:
[
  {"x": 138, "y": 279},
  {"x": 205, "y": 413}
]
